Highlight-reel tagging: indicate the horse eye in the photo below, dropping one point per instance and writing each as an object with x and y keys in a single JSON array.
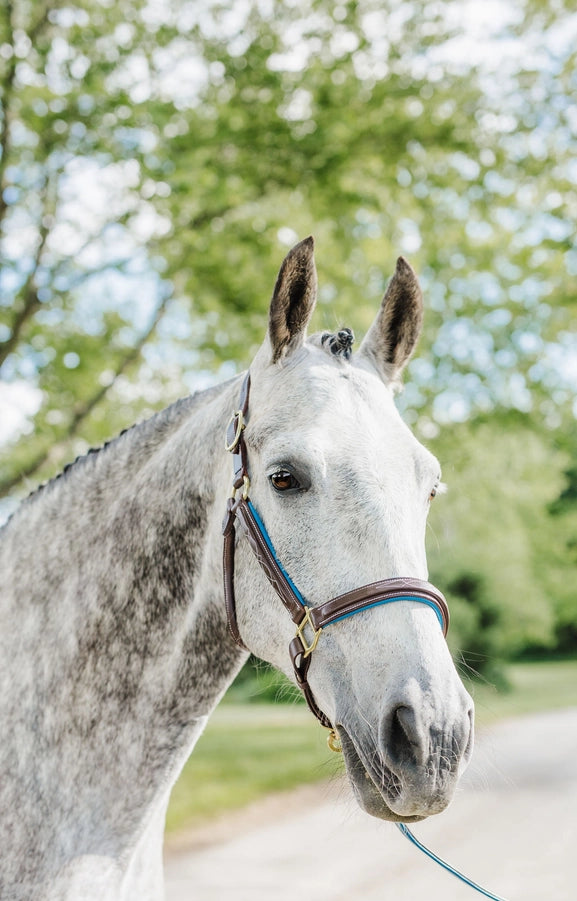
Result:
[{"x": 283, "y": 480}]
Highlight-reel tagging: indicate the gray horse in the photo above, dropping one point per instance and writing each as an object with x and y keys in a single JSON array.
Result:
[{"x": 115, "y": 647}]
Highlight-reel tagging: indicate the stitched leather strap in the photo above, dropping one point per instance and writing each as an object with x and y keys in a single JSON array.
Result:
[
  {"x": 265, "y": 556},
  {"x": 229, "y": 534},
  {"x": 301, "y": 666},
  {"x": 383, "y": 592},
  {"x": 234, "y": 437}
]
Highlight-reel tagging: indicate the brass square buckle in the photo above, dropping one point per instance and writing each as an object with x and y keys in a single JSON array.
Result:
[{"x": 306, "y": 621}]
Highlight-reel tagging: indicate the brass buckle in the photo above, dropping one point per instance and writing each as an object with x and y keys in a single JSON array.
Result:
[
  {"x": 239, "y": 427},
  {"x": 245, "y": 489},
  {"x": 306, "y": 620}
]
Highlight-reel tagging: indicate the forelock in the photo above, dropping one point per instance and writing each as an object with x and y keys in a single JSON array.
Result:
[{"x": 336, "y": 344}]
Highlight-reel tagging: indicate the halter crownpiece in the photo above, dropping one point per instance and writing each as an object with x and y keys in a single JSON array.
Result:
[{"x": 309, "y": 621}]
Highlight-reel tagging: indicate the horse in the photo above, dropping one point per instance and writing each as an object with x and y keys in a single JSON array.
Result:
[{"x": 116, "y": 644}]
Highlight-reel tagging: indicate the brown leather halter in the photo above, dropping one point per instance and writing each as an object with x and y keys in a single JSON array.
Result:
[{"x": 310, "y": 621}]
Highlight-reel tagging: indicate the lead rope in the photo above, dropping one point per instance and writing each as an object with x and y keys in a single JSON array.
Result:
[{"x": 446, "y": 866}]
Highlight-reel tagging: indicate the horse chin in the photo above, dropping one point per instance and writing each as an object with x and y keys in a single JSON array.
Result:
[{"x": 372, "y": 789}]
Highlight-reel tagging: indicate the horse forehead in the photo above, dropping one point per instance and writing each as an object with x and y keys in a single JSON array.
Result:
[
  {"x": 333, "y": 406},
  {"x": 313, "y": 397},
  {"x": 315, "y": 379}
]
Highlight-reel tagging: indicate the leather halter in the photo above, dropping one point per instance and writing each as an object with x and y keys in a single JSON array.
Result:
[
  {"x": 313, "y": 619},
  {"x": 310, "y": 621}
]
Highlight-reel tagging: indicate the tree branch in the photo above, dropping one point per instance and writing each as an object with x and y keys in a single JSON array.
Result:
[
  {"x": 84, "y": 410},
  {"x": 5, "y": 134},
  {"x": 34, "y": 33},
  {"x": 30, "y": 300},
  {"x": 42, "y": 21}
]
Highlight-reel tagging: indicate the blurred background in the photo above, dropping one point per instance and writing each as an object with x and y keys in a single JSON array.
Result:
[{"x": 159, "y": 157}]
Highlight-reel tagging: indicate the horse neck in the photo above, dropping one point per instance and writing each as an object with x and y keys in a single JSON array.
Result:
[{"x": 114, "y": 624}]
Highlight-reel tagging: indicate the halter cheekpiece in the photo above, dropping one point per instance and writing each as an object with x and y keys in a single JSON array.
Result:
[{"x": 309, "y": 621}]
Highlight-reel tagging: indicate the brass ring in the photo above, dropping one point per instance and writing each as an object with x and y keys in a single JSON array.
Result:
[
  {"x": 239, "y": 427},
  {"x": 334, "y": 742}
]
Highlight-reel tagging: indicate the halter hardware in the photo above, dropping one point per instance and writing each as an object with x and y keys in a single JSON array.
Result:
[
  {"x": 237, "y": 419},
  {"x": 300, "y": 633},
  {"x": 245, "y": 485},
  {"x": 334, "y": 742}
]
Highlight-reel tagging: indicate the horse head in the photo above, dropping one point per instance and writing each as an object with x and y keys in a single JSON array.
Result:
[{"x": 342, "y": 488}]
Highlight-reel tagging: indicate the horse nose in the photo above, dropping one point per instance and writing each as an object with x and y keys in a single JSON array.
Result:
[
  {"x": 425, "y": 750},
  {"x": 414, "y": 740}
]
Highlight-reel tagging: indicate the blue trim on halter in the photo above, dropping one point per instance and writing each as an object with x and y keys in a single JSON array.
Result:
[
  {"x": 271, "y": 548},
  {"x": 442, "y": 863},
  {"x": 407, "y": 597},
  {"x": 299, "y": 597}
]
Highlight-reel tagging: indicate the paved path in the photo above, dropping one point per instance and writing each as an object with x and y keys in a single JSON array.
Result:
[{"x": 512, "y": 827}]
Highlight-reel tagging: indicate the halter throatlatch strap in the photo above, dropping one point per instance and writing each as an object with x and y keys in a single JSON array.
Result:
[{"x": 310, "y": 621}]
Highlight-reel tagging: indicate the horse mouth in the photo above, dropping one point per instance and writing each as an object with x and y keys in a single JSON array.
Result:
[{"x": 375, "y": 786}]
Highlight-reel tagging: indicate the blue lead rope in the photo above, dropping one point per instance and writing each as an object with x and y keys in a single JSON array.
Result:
[{"x": 442, "y": 863}]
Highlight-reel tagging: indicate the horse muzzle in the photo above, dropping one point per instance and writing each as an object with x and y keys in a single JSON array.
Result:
[{"x": 411, "y": 770}]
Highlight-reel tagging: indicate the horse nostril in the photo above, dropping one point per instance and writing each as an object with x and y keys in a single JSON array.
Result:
[{"x": 406, "y": 741}]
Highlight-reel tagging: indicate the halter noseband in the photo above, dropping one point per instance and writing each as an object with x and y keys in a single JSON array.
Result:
[{"x": 310, "y": 621}]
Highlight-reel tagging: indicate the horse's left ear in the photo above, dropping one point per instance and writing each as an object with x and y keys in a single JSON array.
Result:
[
  {"x": 293, "y": 300},
  {"x": 393, "y": 335}
]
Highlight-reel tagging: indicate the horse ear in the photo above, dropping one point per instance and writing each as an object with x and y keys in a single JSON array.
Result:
[
  {"x": 393, "y": 335},
  {"x": 293, "y": 300}
]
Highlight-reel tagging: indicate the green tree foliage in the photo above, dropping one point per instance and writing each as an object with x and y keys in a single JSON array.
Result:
[
  {"x": 73, "y": 142},
  {"x": 505, "y": 564},
  {"x": 560, "y": 557},
  {"x": 158, "y": 158}
]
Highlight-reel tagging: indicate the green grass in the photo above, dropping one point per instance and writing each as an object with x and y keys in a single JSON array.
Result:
[
  {"x": 546, "y": 685},
  {"x": 248, "y": 751}
]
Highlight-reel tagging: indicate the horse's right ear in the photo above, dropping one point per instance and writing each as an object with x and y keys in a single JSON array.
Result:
[{"x": 293, "y": 300}]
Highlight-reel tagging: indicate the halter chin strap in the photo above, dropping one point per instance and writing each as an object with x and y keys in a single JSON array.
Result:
[{"x": 309, "y": 621}]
